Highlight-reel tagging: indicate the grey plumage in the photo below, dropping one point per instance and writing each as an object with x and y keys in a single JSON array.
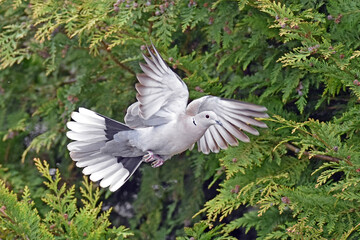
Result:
[{"x": 159, "y": 125}]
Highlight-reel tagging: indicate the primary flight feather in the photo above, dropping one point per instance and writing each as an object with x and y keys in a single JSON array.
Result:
[{"x": 158, "y": 126}]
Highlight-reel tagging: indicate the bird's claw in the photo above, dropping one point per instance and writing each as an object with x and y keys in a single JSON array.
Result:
[
  {"x": 157, "y": 163},
  {"x": 156, "y": 160},
  {"x": 149, "y": 157}
]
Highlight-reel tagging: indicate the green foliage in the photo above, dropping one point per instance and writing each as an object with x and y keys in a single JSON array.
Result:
[
  {"x": 298, "y": 179},
  {"x": 198, "y": 232},
  {"x": 301, "y": 193},
  {"x": 18, "y": 219},
  {"x": 64, "y": 220}
]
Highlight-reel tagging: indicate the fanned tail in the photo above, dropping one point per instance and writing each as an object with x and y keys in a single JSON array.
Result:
[{"x": 91, "y": 131}]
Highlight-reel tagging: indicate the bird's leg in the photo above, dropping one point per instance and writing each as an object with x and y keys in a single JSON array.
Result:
[
  {"x": 156, "y": 160},
  {"x": 149, "y": 157}
]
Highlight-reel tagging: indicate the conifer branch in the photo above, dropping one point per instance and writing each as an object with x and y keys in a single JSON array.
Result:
[
  {"x": 106, "y": 46},
  {"x": 188, "y": 73},
  {"x": 289, "y": 58},
  {"x": 317, "y": 156},
  {"x": 3, "y": 213}
]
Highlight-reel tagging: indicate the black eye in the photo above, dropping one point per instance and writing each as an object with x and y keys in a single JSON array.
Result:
[{"x": 207, "y": 116}]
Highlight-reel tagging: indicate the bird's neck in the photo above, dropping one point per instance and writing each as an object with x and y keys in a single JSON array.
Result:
[{"x": 194, "y": 127}]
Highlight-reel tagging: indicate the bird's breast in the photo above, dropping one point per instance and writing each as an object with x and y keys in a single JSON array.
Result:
[{"x": 171, "y": 138}]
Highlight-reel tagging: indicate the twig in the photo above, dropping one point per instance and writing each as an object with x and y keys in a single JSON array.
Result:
[
  {"x": 151, "y": 27},
  {"x": 116, "y": 60},
  {"x": 318, "y": 156},
  {"x": 188, "y": 73},
  {"x": 71, "y": 81},
  {"x": 3, "y": 213}
]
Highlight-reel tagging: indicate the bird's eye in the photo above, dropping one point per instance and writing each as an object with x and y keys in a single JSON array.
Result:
[{"x": 207, "y": 116}]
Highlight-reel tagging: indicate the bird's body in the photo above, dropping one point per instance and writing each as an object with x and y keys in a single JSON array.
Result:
[
  {"x": 158, "y": 126},
  {"x": 175, "y": 131},
  {"x": 145, "y": 139}
]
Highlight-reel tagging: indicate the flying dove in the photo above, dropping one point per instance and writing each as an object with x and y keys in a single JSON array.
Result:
[{"x": 158, "y": 126}]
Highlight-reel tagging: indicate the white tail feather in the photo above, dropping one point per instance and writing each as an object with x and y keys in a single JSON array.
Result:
[
  {"x": 79, "y": 146},
  {"x": 82, "y": 127},
  {"x": 90, "y": 113},
  {"x": 82, "y": 118},
  {"x": 79, "y": 155},
  {"x": 97, "y": 167},
  {"x": 89, "y": 137},
  {"x": 96, "y": 176},
  {"x": 107, "y": 181},
  {"x": 83, "y": 157},
  {"x": 119, "y": 180},
  {"x": 90, "y": 162}
]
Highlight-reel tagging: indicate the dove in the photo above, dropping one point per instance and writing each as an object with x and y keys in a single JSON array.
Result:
[{"x": 159, "y": 125}]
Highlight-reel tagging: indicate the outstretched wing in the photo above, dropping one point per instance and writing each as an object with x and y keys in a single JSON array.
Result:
[
  {"x": 235, "y": 116},
  {"x": 161, "y": 96}
]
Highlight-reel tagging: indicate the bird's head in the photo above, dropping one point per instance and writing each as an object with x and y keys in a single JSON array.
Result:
[{"x": 207, "y": 118}]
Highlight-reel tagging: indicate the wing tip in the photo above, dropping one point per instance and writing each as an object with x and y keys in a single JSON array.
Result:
[
  {"x": 255, "y": 133},
  {"x": 261, "y": 125}
]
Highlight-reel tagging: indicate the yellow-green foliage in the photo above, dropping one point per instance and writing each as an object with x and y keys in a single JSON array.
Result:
[
  {"x": 300, "y": 192},
  {"x": 18, "y": 219},
  {"x": 300, "y": 58},
  {"x": 63, "y": 220}
]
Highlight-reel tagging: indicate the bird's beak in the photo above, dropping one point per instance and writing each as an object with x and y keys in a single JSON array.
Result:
[{"x": 218, "y": 122}]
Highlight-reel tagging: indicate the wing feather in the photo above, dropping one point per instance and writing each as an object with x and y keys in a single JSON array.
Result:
[
  {"x": 235, "y": 116},
  {"x": 246, "y": 119},
  {"x": 147, "y": 81},
  {"x": 231, "y": 103},
  {"x": 143, "y": 90},
  {"x": 227, "y": 136},
  {"x": 234, "y": 130},
  {"x": 153, "y": 66},
  {"x": 248, "y": 113},
  {"x": 210, "y": 141},
  {"x": 218, "y": 138},
  {"x": 240, "y": 124},
  {"x": 149, "y": 72},
  {"x": 203, "y": 147},
  {"x": 159, "y": 58},
  {"x": 148, "y": 110},
  {"x": 162, "y": 95},
  {"x": 151, "y": 97},
  {"x": 157, "y": 61}
]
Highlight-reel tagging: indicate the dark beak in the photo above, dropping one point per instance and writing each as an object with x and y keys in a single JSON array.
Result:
[{"x": 218, "y": 122}]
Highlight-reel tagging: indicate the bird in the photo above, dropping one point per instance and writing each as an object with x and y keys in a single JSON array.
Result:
[{"x": 159, "y": 125}]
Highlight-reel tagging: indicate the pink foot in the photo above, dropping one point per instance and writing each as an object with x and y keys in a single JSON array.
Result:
[
  {"x": 156, "y": 160},
  {"x": 149, "y": 157},
  {"x": 157, "y": 163}
]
